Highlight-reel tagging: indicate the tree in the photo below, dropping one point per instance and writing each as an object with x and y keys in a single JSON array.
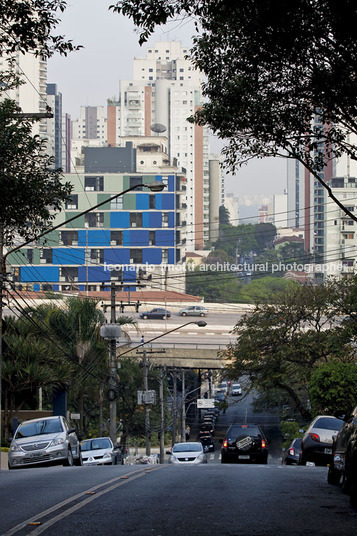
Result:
[
  {"x": 278, "y": 346},
  {"x": 224, "y": 216},
  {"x": 30, "y": 189},
  {"x": 333, "y": 387},
  {"x": 27, "y": 26},
  {"x": 280, "y": 76}
]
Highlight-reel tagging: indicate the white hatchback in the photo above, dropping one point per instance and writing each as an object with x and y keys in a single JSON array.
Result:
[{"x": 190, "y": 453}]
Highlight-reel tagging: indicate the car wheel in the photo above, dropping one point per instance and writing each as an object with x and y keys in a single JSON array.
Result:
[
  {"x": 346, "y": 476},
  {"x": 202, "y": 314},
  {"x": 145, "y": 317},
  {"x": 265, "y": 460},
  {"x": 333, "y": 476},
  {"x": 69, "y": 461},
  {"x": 79, "y": 461},
  {"x": 224, "y": 459},
  {"x": 184, "y": 314}
]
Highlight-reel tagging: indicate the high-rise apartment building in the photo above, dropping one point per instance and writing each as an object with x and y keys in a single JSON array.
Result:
[
  {"x": 89, "y": 130},
  {"x": 164, "y": 92},
  {"x": 30, "y": 96},
  {"x": 54, "y": 125}
]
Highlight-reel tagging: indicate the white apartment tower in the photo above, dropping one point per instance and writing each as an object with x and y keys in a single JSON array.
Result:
[
  {"x": 31, "y": 96},
  {"x": 89, "y": 130},
  {"x": 164, "y": 92}
]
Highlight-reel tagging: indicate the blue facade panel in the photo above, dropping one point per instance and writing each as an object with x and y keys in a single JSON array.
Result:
[
  {"x": 68, "y": 256},
  {"x": 142, "y": 201},
  {"x": 171, "y": 219},
  {"x": 152, "y": 256},
  {"x": 129, "y": 274},
  {"x": 100, "y": 237},
  {"x": 135, "y": 238},
  {"x": 117, "y": 256},
  {"x": 171, "y": 183},
  {"x": 119, "y": 220},
  {"x": 171, "y": 256},
  {"x": 95, "y": 273},
  {"x": 165, "y": 238},
  {"x": 165, "y": 201},
  {"x": 152, "y": 219},
  {"x": 43, "y": 274},
  {"x": 37, "y": 287}
]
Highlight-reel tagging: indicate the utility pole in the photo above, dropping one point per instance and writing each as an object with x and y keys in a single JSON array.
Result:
[
  {"x": 147, "y": 407},
  {"x": 162, "y": 415},
  {"x": 183, "y": 418},
  {"x": 174, "y": 413},
  {"x": 113, "y": 371}
]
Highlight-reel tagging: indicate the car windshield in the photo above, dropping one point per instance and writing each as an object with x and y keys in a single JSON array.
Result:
[
  {"x": 236, "y": 431},
  {"x": 236, "y": 386},
  {"x": 328, "y": 423},
  {"x": 96, "y": 444},
  {"x": 30, "y": 429},
  {"x": 187, "y": 447}
]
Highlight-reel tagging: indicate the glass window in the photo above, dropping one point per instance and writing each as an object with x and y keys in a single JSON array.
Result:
[{"x": 94, "y": 184}]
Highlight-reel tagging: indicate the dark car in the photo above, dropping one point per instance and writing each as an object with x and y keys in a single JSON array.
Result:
[
  {"x": 344, "y": 458},
  {"x": 158, "y": 312},
  {"x": 207, "y": 443},
  {"x": 316, "y": 444},
  {"x": 291, "y": 455},
  {"x": 207, "y": 427},
  {"x": 244, "y": 443}
]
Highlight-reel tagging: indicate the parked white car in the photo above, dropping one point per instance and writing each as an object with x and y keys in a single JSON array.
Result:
[
  {"x": 48, "y": 440},
  {"x": 236, "y": 389},
  {"x": 100, "y": 451}
]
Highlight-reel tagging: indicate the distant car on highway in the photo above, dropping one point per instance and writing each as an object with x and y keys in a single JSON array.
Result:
[
  {"x": 190, "y": 453},
  {"x": 100, "y": 451},
  {"x": 44, "y": 441},
  {"x": 158, "y": 312},
  {"x": 194, "y": 310}
]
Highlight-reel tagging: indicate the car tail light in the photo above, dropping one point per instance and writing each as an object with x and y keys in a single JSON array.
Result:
[
  {"x": 315, "y": 437},
  {"x": 263, "y": 444},
  {"x": 225, "y": 444},
  {"x": 292, "y": 452}
]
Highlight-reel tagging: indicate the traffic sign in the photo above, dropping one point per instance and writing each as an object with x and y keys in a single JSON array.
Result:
[{"x": 204, "y": 403}]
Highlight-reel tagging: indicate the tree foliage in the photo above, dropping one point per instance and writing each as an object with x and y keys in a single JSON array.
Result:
[
  {"x": 27, "y": 26},
  {"x": 280, "y": 345},
  {"x": 30, "y": 188},
  {"x": 333, "y": 387},
  {"x": 280, "y": 76}
]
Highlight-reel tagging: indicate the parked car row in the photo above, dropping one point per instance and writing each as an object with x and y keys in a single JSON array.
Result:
[
  {"x": 52, "y": 441},
  {"x": 330, "y": 440},
  {"x": 160, "y": 313}
]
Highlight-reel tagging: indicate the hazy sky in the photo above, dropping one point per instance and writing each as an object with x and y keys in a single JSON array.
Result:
[{"x": 91, "y": 76}]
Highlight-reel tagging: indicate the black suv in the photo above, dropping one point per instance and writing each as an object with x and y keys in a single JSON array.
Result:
[
  {"x": 344, "y": 458},
  {"x": 244, "y": 443}
]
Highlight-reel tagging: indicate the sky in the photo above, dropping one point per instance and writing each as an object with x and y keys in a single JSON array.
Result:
[{"x": 90, "y": 76}]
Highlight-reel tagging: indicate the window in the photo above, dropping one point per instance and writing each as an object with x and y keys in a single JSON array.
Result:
[
  {"x": 136, "y": 219},
  {"x": 94, "y": 184},
  {"x": 165, "y": 256},
  {"x": 30, "y": 255},
  {"x": 136, "y": 256},
  {"x": 68, "y": 238},
  {"x": 46, "y": 256},
  {"x": 135, "y": 181},
  {"x": 116, "y": 204},
  {"x": 165, "y": 219},
  {"x": 96, "y": 256},
  {"x": 116, "y": 238},
  {"x": 152, "y": 201},
  {"x": 152, "y": 238},
  {"x": 94, "y": 219},
  {"x": 72, "y": 202},
  {"x": 68, "y": 274}
]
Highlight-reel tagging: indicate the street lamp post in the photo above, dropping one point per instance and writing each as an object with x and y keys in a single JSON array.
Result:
[{"x": 153, "y": 186}]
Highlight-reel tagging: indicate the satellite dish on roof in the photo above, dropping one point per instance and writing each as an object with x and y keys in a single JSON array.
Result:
[{"x": 158, "y": 128}]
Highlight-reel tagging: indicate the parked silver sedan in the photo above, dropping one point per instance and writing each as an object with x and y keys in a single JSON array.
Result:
[
  {"x": 190, "y": 453},
  {"x": 44, "y": 441},
  {"x": 100, "y": 451}
]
